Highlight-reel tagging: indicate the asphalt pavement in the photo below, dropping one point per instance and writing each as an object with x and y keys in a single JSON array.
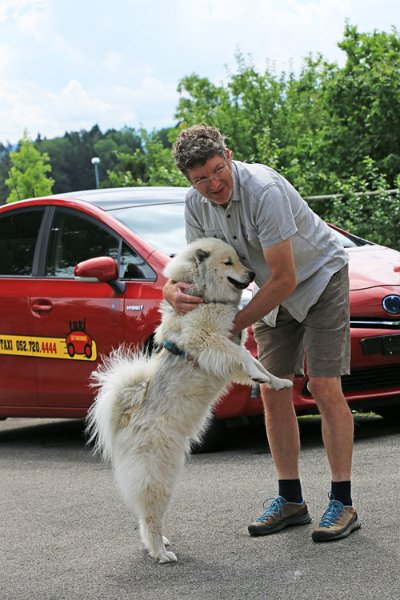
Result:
[{"x": 66, "y": 534}]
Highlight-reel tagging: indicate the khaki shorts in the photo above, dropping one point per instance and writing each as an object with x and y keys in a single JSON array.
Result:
[{"x": 322, "y": 339}]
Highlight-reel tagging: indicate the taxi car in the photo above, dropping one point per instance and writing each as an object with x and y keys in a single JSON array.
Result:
[{"x": 81, "y": 273}]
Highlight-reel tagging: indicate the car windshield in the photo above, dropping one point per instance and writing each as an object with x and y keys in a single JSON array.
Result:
[
  {"x": 350, "y": 240},
  {"x": 161, "y": 225},
  {"x": 344, "y": 240}
]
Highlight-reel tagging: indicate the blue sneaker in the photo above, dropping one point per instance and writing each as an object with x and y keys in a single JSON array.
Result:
[
  {"x": 337, "y": 522},
  {"x": 280, "y": 514}
]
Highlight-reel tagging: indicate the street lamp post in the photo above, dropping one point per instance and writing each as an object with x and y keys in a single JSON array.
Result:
[{"x": 95, "y": 163}]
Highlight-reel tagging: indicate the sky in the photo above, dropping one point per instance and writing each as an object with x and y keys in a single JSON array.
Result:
[{"x": 66, "y": 65}]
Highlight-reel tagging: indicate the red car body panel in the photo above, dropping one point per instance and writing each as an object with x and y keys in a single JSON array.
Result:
[
  {"x": 53, "y": 331},
  {"x": 18, "y": 378}
]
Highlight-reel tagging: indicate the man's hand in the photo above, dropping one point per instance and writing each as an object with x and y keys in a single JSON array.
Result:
[{"x": 174, "y": 294}]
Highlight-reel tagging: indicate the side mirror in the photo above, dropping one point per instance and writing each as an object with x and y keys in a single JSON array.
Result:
[{"x": 101, "y": 268}]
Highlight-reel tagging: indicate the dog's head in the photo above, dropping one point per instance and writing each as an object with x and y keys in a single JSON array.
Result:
[{"x": 214, "y": 269}]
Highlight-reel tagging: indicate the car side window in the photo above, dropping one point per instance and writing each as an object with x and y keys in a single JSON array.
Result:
[
  {"x": 74, "y": 239},
  {"x": 19, "y": 232},
  {"x": 133, "y": 266}
]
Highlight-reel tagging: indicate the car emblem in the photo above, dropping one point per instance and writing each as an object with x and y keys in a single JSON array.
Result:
[{"x": 391, "y": 304}]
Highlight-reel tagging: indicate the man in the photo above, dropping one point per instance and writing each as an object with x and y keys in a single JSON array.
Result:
[{"x": 301, "y": 309}]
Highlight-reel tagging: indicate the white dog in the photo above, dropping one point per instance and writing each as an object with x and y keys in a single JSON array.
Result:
[{"x": 149, "y": 408}]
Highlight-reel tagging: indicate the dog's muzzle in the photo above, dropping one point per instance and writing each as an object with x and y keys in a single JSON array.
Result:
[{"x": 240, "y": 285}]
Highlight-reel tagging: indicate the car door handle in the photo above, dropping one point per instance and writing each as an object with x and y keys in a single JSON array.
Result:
[{"x": 41, "y": 307}]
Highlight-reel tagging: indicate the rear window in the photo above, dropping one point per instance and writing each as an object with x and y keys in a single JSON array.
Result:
[{"x": 19, "y": 232}]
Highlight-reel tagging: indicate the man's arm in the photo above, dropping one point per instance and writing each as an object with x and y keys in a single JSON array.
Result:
[{"x": 281, "y": 283}]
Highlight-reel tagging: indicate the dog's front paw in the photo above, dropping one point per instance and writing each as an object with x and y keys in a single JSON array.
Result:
[
  {"x": 280, "y": 384},
  {"x": 273, "y": 383}
]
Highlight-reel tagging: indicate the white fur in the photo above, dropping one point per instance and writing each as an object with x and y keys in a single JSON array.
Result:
[{"x": 149, "y": 408}]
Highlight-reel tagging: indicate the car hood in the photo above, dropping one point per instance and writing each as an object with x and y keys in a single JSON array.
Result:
[{"x": 374, "y": 266}]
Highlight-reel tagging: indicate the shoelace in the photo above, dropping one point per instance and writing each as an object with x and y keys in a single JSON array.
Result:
[
  {"x": 332, "y": 513},
  {"x": 273, "y": 509}
]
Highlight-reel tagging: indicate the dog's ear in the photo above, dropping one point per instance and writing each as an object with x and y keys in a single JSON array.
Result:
[
  {"x": 183, "y": 265},
  {"x": 201, "y": 255}
]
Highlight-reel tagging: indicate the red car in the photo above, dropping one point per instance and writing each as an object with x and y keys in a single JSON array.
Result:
[{"x": 81, "y": 273}]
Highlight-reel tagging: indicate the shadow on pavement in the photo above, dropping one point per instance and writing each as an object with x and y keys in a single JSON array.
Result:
[
  {"x": 239, "y": 435},
  {"x": 252, "y": 434},
  {"x": 43, "y": 432}
]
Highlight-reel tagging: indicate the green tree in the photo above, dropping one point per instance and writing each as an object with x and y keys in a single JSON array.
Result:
[
  {"x": 315, "y": 126},
  {"x": 244, "y": 109},
  {"x": 153, "y": 166},
  {"x": 5, "y": 165},
  {"x": 363, "y": 206},
  {"x": 329, "y": 130},
  {"x": 71, "y": 155},
  {"x": 28, "y": 173},
  {"x": 362, "y": 101}
]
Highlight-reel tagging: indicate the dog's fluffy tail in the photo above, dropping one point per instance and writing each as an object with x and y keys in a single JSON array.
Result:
[{"x": 121, "y": 380}]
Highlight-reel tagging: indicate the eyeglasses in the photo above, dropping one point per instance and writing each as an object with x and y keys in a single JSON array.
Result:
[{"x": 204, "y": 182}]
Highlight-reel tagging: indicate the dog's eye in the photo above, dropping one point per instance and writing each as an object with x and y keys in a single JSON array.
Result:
[{"x": 228, "y": 262}]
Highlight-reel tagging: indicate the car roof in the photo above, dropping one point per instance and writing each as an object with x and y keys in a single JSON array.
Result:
[{"x": 126, "y": 197}]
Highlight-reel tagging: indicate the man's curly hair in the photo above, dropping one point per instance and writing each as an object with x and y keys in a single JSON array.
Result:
[{"x": 196, "y": 145}]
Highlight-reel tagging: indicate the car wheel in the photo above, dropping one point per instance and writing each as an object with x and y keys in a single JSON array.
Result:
[
  {"x": 214, "y": 438},
  {"x": 88, "y": 351},
  {"x": 71, "y": 350}
]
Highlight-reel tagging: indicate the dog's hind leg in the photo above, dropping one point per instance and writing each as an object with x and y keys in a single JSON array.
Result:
[
  {"x": 146, "y": 486},
  {"x": 151, "y": 515},
  {"x": 155, "y": 544},
  {"x": 143, "y": 536},
  {"x": 153, "y": 497}
]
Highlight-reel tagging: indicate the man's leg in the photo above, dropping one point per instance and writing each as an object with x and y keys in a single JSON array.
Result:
[
  {"x": 282, "y": 430},
  {"x": 340, "y": 518},
  {"x": 288, "y": 508},
  {"x": 280, "y": 350},
  {"x": 337, "y": 425}
]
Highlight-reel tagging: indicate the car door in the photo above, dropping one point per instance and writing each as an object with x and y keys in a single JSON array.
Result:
[
  {"x": 19, "y": 234},
  {"x": 75, "y": 321}
]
